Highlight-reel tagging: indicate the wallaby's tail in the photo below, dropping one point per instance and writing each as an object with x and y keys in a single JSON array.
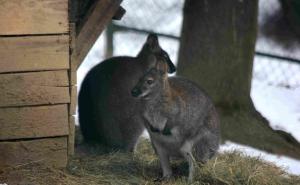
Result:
[{"x": 86, "y": 118}]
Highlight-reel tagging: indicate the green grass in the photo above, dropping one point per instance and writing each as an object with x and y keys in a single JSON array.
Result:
[{"x": 91, "y": 165}]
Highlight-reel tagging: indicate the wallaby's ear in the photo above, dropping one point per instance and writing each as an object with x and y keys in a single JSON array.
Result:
[
  {"x": 162, "y": 67},
  {"x": 152, "y": 42},
  {"x": 171, "y": 66}
]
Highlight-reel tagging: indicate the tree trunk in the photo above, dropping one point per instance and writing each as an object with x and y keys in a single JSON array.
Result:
[{"x": 216, "y": 51}]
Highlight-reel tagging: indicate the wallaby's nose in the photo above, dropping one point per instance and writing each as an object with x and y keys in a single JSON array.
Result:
[{"x": 135, "y": 92}]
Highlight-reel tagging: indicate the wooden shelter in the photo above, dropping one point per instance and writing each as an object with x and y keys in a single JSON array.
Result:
[{"x": 42, "y": 42}]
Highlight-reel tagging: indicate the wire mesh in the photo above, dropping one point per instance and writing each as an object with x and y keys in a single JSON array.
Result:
[{"x": 165, "y": 18}]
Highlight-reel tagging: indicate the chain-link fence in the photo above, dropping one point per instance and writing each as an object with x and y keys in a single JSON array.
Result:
[
  {"x": 275, "y": 63},
  {"x": 277, "y": 48}
]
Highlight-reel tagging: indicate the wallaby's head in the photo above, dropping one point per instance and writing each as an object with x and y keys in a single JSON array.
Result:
[
  {"x": 151, "y": 51},
  {"x": 152, "y": 83}
]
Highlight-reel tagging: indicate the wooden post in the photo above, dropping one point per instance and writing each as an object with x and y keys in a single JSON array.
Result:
[
  {"x": 73, "y": 89},
  {"x": 109, "y": 41}
]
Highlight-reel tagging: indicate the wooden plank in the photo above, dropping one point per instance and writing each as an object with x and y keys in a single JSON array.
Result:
[
  {"x": 34, "y": 53},
  {"x": 34, "y": 122},
  {"x": 73, "y": 103},
  {"x": 71, "y": 137},
  {"x": 33, "y": 17},
  {"x": 100, "y": 15},
  {"x": 36, "y": 88},
  {"x": 50, "y": 151}
]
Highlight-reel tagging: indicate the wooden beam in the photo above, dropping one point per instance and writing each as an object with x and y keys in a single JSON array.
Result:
[
  {"x": 71, "y": 136},
  {"x": 73, "y": 64},
  {"x": 73, "y": 100},
  {"x": 73, "y": 91},
  {"x": 100, "y": 15}
]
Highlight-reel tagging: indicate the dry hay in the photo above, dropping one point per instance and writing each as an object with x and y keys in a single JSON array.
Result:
[{"x": 93, "y": 165}]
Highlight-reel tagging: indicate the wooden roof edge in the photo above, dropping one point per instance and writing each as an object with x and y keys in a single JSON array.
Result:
[{"x": 100, "y": 14}]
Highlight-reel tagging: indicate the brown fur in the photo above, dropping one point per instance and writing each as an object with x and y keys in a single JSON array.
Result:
[{"x": 108, "y": 114}]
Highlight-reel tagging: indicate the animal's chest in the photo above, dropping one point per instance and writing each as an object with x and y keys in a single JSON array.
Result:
[
  {"x": 155, "y": 118},
  {"x": 171, "y": 143}
]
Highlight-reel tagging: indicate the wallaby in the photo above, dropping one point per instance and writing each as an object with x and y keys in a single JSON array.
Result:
[
  {"x": 179, "y": 116},
  {"x": 107, "y": 112}
]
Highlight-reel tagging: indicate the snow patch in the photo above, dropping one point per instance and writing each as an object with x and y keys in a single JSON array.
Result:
[{"x": 290, "y": 165}]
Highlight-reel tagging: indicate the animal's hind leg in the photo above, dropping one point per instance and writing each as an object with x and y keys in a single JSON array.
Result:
[
  {"x": 132, "y": 141},
  {"x": 191, "y": 160},
  {"x": 206, "y": 148},
  {"x": 131, "y": 130},
  {"x": 186, "y": 151}
]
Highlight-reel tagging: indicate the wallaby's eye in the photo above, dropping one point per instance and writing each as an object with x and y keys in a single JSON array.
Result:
[{"x": 149, "y": 81}]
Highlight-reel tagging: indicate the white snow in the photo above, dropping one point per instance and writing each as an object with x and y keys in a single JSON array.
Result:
[{"x": 281, "y": 106}]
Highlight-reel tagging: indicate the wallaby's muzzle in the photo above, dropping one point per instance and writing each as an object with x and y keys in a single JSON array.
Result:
[{"x": 135, "y": 92}]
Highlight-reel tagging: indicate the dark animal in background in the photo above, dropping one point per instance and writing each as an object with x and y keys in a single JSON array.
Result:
[
  {"x": 108, "y": 114},
  {"x": 179, "y": 116}
]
